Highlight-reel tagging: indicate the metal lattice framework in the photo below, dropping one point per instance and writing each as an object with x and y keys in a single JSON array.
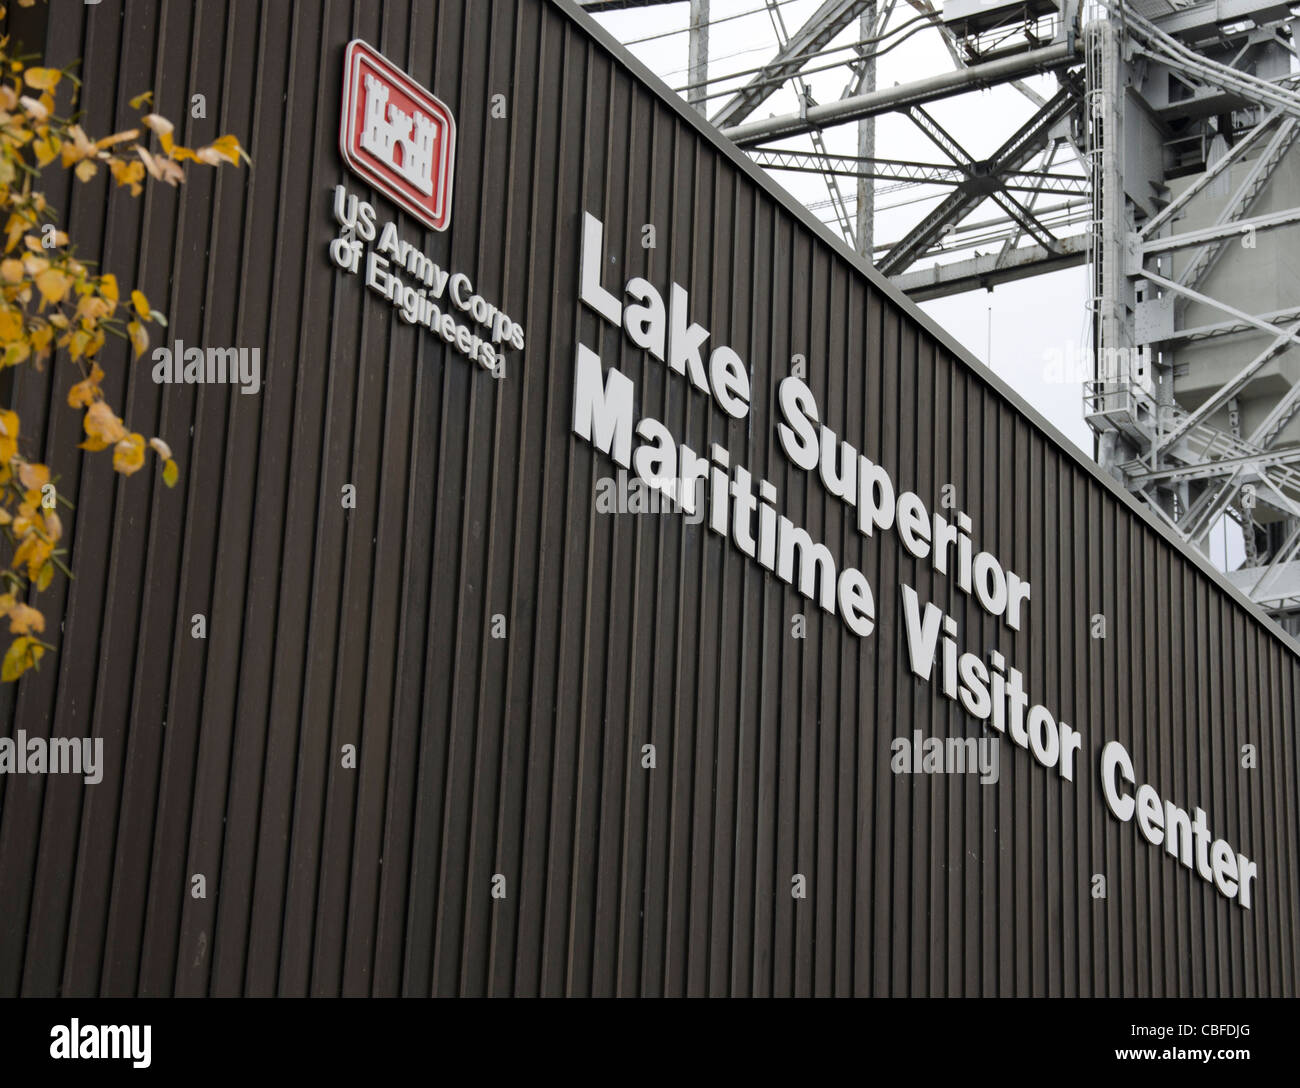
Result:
[{"x": 1166, "y": 160}]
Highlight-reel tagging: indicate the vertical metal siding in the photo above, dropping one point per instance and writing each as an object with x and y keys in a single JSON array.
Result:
[{"x": 521, "y": 756}]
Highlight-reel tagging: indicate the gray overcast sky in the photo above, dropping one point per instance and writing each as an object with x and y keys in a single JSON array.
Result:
[{"x": 1019, "y": 328}]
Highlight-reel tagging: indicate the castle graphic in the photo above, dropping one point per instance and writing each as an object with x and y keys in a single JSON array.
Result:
[{"x": 387, "y": 128}]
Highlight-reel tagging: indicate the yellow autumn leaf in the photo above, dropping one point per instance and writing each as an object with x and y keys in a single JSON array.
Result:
[
  {"x": 97, "y": 340},
  {"x": 11, "y": 270},
  {"x": 87, "y": 391},
  {"x": 141, "y": 100},
  {"x": 8, "y": 435},
  {"x": 24, "y": 619},
  {"x": 33, "y": 551},
  {"x": 34, "y": 107},
  {"x": 86, "y": 169},
  {"x": 92, "y": 309},
  {"x": 117, "y": 138},
  {"x": 53, "y": 285},
  {"x": 76, "y": 146},
  {"x": 47, "y": 150},
  {"x": 139, "y": 337},
  {"x": 45, "y": 577},
  {"x": 227, "y": 147},
  {"x": 11, "y": 324},
  {"x": 17, "y": 352},
  {"x": 170, "y": 472},
  {"x": 33, "y": 477},
  {"x": 157, "y": 124},
  {"x": 140, "y": 303},
  {"x": 14, "y": 229},
  {"x": 102, "y": 428},
  {"x": 128, "y": 454},
  {"x": 7, "y": 602},
  {"x": 43, "y": 79},
  {"x": 16, "y": 661},
  {"x": 77, "y": 343},
  {"x": 128, "y": 173},
  {"x": 108, "y": 286}
]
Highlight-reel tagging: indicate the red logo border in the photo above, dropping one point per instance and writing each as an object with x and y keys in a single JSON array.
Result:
[{"x": 439, "y": 221}]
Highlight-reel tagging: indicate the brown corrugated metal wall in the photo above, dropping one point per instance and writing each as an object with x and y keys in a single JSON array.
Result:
[{"x": 521, "y": 756}]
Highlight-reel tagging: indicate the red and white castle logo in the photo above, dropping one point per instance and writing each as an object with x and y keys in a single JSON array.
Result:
[{"x": 397, "y": 135}]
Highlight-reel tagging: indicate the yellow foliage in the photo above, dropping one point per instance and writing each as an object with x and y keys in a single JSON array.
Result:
[
  {"x": 24, "y": 653},
  {"x": 53, "y": 284},
  {"x": 139, "y": 338},
  {"x": 49, "y": 300},
  {"x": 33, "y": 477},
  {"x": 34, "y": 551},
  {"x": 24, "y": 619},
  {"x": 102, "y": 427},
  {"x": 43, "y": 79},
  {"x": 86, "y": 391},
  {"x": 128, "y": 454},
  {"x": 8, "y": 436},
  {"x": 11, "y": 324},
  {"x": 128, "y": 173},
  {"x": 47, "y": 149}
]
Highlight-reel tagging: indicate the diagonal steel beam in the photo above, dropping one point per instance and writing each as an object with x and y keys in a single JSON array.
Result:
[
  {"x": 989, "y": 269},
  {"x": 1284, "y": 555},
  {"x": 1271, "y": 426},
  {"x": 855, "y": 107},
  {"x": 1204, "y": 514},
  {"x": 1218, "y": 304},
  {"x": 1242, "y": 146},
  {"x": 1241, "y": 201},
  {"x": 1026, "y": 221},
  {"x": 1230, "y": 388},
  {"x": 1009, "y": 246},
  {"x": 1221, "y": 231},
  {"x": 821, "y": 27},
  {"x": 940, "y": 136},
  {"x": 1213, "y": 469},
  {"x": 1018, "y": 150},
  {"x": 1034, "y": 182}
]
